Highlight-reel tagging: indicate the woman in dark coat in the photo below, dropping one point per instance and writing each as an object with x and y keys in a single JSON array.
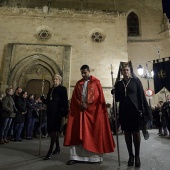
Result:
[
  {"x": 57, "y": 107},
  {"x": 132, "y": 102}
]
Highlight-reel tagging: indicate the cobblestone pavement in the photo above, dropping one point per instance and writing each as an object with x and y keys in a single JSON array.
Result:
[{"x": 155, "y": 155}]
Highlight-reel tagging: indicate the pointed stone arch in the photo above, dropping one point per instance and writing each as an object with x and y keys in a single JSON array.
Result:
[
  {"x": 23, "y": 62},
  {"x": 18, "y": 76},
  {"x": 133, "y": 24}
]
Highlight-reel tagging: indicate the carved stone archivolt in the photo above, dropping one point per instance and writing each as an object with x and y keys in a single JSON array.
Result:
[
  {"x": 30, "y": 67},
  {"x": 24, "y": 65}
]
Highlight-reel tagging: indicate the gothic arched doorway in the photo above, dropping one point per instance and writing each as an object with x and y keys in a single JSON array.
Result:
[{"x": 27, "y": 62}]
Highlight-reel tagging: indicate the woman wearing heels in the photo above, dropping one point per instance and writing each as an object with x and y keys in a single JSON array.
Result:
[
  {"x": 57, "y": 107},
  {"x": 130, "y": 95}
]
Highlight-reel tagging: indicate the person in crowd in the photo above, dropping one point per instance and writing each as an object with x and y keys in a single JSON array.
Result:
[
  {"x": 18, "y": 91},
  {"x": 7, "y": 114},
  {"x": 132, "y": 103},
  {"x": 1, "y": 97},
  {"x": 57, "y": 107},
  {"x": 150, "y": 121},
  {"x": 111, "y": 118},
  {"x": 21, "y": 105},
  {"x": 163, "y": 120},
  {"x": 166, "y": 112},
  {"x": 16, "y": 94},
  {"x": 32, "y": 108},
  {"x": 88, "y": 131},
  {"x": 155, "y": 117},
  {"x": 42, "y": 127}
]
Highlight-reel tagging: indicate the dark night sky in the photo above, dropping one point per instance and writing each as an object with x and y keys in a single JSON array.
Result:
[{"x": 166, "y": 7}]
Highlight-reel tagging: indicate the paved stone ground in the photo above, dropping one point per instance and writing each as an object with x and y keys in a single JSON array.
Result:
[{"x": 155, "y": 155}]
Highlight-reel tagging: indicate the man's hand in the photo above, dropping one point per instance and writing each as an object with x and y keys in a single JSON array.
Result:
[
  {"x": 42, "y": 97},
  {"x": 83, "y": 106},
  {"x": 113, "y": 91}
]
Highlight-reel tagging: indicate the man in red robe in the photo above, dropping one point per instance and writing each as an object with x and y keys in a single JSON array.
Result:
[{"x": 88, "y": 131}]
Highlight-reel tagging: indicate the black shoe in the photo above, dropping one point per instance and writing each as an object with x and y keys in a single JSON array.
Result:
[
  {"x": 165, "y": 134},
  {"x": 56, "y": 151},
  {"x": 137, "y": 161},
  {"x": 48, "y": 156},
  {"x": 17, "y": 140},
  {"x": 131, "y": 161},
  {"x": 70, "y": 162}
]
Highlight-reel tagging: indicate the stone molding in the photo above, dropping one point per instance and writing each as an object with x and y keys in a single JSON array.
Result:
[
  {"x": 64, "y": 13},
  {"x": 144, "y": 41}
]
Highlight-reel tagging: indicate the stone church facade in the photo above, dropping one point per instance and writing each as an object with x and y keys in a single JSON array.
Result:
[{"x": 39, "y": 39}]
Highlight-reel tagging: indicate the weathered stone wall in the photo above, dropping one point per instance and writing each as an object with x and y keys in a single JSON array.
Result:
[
  {"x": 68, "y": 28},
  {"x": 73, "y": 29}
]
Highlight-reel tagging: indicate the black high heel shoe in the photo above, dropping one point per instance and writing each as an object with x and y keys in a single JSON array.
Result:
[
  {"x": 137, "y": 161},
  {"x": 56, "y": 151},
  {"x": 48, "y": 156},
  {"x": 131, "y": 160}
]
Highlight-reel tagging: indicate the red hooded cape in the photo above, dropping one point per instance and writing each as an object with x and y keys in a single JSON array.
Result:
[{"x": 90, "y": 128}]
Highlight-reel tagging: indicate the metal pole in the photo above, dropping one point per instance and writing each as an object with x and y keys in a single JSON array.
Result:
[
  {"x": 115, "y": 116},
  {"x": 158, "y": 51},
  {"x": 149, "y": 98},
  {"x": 165, "y": 93},
  {"x": 148, "y": 77},
  {"x": 40, "y": 137}
]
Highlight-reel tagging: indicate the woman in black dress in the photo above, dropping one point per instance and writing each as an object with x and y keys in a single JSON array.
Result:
[
  {"x": 130, "y": 95},
  {"x": 57, "y": 107}
]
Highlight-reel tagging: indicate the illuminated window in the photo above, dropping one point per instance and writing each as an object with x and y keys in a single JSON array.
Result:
[{"x": 133, "y": 24}]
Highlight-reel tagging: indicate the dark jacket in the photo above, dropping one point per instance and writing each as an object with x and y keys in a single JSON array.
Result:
[
  {"x": 21, "y": 105},
  {"x": 57, "y": 102},
  {"x": 31, "y": 105},
  {"x": 7, "y": 107},
  {"x": 0, "y": 108},
  {"x": 166, "y": 109},
  {"x": 138, "y": 99}
]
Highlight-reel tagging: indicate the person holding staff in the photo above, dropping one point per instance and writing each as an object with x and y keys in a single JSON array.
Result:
[
  {"x": 132, "y": 107},
  {"x": 88, "y": 130},
  {"x": 57, "y": 107}
]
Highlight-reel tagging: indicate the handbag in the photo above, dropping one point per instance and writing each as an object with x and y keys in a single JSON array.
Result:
[
  {"x": 144, "y": 127},
  {"x": 35, "y": 114},
  {"x": 145, "y": 134}
]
